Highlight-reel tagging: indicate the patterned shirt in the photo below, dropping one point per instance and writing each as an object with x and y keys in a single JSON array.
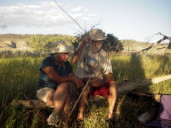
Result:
[{"x": 93, "y": 63}]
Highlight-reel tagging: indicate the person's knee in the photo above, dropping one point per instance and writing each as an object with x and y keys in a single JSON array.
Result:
[
  {"x": 49, "y": 99},
  {"x": 64, "y": 86},
  {"x": 62, "y": 89},
  {"x": 113, "y": 91},
  {"x": 86, "y": 91}
]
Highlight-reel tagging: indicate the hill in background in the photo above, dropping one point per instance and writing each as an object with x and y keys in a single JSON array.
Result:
[
  {"x": 16, "y": 42},
  {"x": 12, "y": 42},
  {"x": 143, "y": 47}
]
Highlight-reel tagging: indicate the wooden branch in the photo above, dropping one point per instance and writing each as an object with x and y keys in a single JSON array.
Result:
[
  {"x": 30, "y": 103},
  {"x": 122, "y": 89},
  {"x": 129, "y": 86}
]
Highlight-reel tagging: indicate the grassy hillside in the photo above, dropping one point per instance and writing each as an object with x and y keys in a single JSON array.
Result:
[{"x": 15, "y": 43}]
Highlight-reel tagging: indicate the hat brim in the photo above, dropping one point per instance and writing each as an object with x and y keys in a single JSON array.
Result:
[
  {"x": 57, "y": 52},
  {"x": 102, "y": 38},
  {"x": 67, "y": 49}
]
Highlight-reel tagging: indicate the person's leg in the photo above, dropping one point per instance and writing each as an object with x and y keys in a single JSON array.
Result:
[
  {"x": 112, "y": 99},
  {"x": 83, "y": 102},
  {"x": 49, "y": 100},
  {"x": 60, "y": 96},
  {"x": 65, "y": 111}
]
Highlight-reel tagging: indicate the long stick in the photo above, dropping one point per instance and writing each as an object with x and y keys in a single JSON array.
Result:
[
  {"x": 69, "y": 15},
  {"x": 80, "y": 96}
]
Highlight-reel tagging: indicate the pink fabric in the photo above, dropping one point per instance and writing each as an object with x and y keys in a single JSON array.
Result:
[
  {"x": 164, "y": 120},
  {"x": 102, "y": 90}
]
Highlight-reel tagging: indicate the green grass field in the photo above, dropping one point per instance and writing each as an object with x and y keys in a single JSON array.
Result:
[{"x": 18, "y": 79}]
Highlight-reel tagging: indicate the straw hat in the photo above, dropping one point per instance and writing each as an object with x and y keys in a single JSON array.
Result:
[
  {"x": 97, "y": 34},
  {"x": 60, "y": 47}
]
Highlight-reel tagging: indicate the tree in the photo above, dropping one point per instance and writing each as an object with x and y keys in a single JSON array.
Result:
[
  {"x": 112, "y": 44},
  {"x": 38, "y": 42},
  {"x": 76, "y": 42},
  {"x": 43, "y": 43}
]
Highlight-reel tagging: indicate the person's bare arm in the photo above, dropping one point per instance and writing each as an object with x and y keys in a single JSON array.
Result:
[
  {"x": 79, "y": 50},
  {"x": 79, "y": 82},
  {"x": 52, "y": 74}
]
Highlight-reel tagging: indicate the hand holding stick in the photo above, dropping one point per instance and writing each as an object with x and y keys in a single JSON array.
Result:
[{"x": 80, "y": 96}]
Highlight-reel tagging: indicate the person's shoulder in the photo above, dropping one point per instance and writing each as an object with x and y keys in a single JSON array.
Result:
[{"x": 48, "y": 59}]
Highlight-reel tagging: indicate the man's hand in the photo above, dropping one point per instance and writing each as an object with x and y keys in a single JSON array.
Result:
[
  {"x": 85, "y": 39},
  {"x": 95, "y": 82},
  {"x": 109, "y": 77},
  {"x": 79, "y": 82}
]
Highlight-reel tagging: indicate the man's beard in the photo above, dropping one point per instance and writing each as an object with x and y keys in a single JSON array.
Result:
[{"x": 95, "y": 49}]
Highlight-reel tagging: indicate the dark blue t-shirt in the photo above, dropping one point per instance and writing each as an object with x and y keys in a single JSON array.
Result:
[{"x": 44, "y": 80}]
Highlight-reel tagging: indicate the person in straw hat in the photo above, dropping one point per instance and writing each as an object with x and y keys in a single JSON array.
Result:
[
  {"x": 94, "y": 65},
  {"x": 53, "y": 87}
]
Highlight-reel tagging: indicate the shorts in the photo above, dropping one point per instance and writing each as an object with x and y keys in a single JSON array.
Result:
[
  {"x": 101, "y": 91},
  {"x": 43, "y": 93}
]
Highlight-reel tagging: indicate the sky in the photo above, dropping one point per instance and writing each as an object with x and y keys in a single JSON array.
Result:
[{"x": 126, "y": 19}]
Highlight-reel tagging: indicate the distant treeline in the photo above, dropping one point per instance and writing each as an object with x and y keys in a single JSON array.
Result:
[
  {"x": 39, "y": 41},
  {"x": 42, "y": 43},
  {"x": 25, "y": 36}
]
